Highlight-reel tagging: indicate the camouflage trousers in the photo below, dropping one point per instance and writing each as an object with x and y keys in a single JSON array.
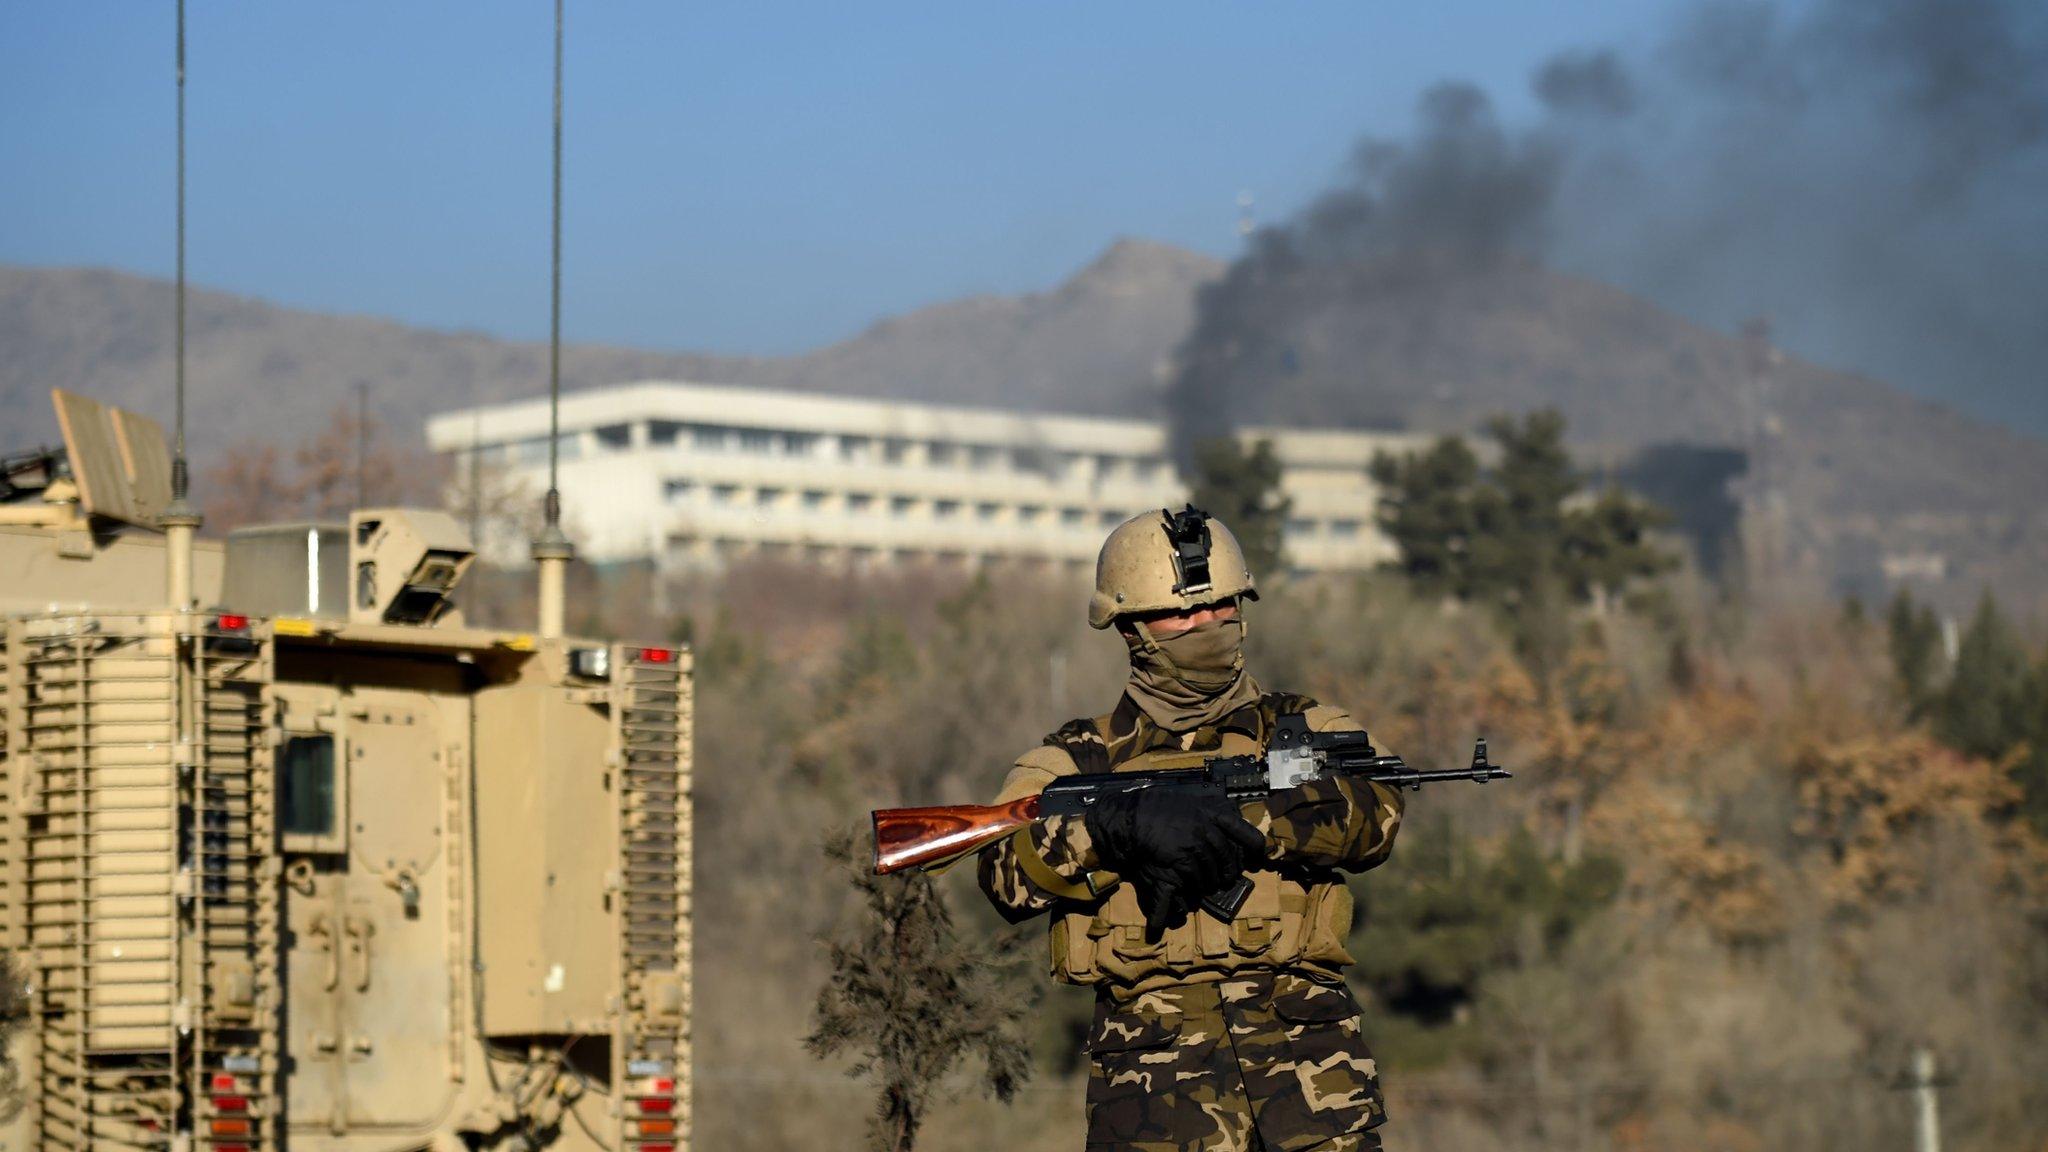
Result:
[{"x": 1261, "y": 1061}]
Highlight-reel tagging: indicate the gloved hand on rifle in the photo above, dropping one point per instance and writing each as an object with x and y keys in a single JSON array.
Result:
[{"x": 1176, "y": 847}]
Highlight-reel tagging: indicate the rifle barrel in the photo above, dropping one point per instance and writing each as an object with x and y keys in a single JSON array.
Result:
[{"x": 1411, "y": 779}]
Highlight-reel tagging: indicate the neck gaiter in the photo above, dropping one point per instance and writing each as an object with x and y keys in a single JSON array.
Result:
[{"x": 1192, "y": 678}]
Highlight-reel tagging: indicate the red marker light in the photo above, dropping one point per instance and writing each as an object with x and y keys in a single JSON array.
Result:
[
  {"x": 656, "y": 1104},
  {"x": 231, "y": 1103},
  {"x": 657, "y": 655},
  {"x": 232, "y": 623},
  {"x": 222, "y": 1082},
  {"x": 657, "y": 1148}
]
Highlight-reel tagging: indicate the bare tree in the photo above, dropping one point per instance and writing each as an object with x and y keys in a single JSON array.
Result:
[
  {"x": 14, "y": 1005},
  {"x": 912, "y": 1000}
]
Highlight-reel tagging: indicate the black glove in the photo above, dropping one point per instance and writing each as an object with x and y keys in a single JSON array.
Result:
[{"x": 1176, "y": 847}]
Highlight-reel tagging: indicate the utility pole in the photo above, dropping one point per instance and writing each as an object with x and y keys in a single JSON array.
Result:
[{"x": 1927, "y": 1132}]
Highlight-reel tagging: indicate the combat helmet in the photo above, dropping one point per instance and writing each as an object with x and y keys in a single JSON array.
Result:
[{"x": 1161, "y": 561}]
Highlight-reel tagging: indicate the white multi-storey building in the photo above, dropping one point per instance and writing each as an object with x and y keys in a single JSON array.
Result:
[{"x": 689, "y": 475}]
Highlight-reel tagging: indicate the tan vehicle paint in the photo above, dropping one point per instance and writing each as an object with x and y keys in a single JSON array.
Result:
[{"x": 318, "y": 866}]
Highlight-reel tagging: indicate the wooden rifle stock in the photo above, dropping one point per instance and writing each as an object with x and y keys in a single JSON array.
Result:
[{"x": 927, "y": 837}]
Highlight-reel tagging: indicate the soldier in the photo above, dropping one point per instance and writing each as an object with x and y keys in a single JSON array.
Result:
[{"x": 1206, "y": 1036}]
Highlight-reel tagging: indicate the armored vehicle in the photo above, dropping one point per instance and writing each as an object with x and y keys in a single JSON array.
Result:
[{"x": 306, "y": 861}]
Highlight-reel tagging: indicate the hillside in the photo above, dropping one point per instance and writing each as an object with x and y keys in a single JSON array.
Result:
[
  {"x": 1867, "y": 473},
  {"x": 1095, "y": 343}
]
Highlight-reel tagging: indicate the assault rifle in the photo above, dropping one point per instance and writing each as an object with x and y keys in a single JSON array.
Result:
[{"x": 932, "y": 838}]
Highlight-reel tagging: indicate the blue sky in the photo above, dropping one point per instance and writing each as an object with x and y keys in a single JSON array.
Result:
[{"x": 742, "y": 177}]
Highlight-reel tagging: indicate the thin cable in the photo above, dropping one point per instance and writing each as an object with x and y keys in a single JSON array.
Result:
[
  {"x": 554, "y": 498},
  {"x": 178, "y": 469},
  {"x": 362, "y": 439}
]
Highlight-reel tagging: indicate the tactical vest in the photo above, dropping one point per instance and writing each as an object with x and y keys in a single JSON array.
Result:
[{"x": 1295, "y": 916}]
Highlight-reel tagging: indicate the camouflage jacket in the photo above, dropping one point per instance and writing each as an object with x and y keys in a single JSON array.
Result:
[{"x": 1299, "y": 912}]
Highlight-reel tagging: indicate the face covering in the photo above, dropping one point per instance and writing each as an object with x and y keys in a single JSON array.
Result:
[{"x": 1193, "y": 678}]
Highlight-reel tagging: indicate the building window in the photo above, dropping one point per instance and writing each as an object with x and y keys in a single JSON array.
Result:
[
  {"x": 1109, "y": 518},
  {"x": 799, "y": 443},
  {"x": 986, "y": 512},
  {"x": 900, "y": 506},
  {"x": 1106, "y": 467},
  {"x": 860, "y": 503},
  {"x": 855, "y": 447},
  {"x": 1029, "y": 513},
  {"x": 895, "y": 449},
  {"x": 1073, "y": 517},
  {"x": 1301, "y": 527},
  {"x": 534, "y": 451},
  {"x": 940, "y": 455},
  {"x": 982, "y": 457},
  {"x": 1028, "y": 459},
  {"x": 674, "y": 490},
  {"x": 756, "y": 440},
  {"x": 946, "y": 509},
  {"x": 615, "y": 436},
  {"x": 814, "y": 498},
  {"x": 1344, "y": 529},
  {"x": 708, "y": 437},
  {"x": 662, "y": 433},
  {"x": 1148, "y": 468},
  {"x": 726, "y": 493},
  {"x": 768, "y": 497}
]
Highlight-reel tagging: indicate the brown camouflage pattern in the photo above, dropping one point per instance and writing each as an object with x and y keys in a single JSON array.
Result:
[
  {"x": 1268, "y": 1060},
  {"x": 1212, "y": 1038},
  {"x": 1329, "y": 823}
]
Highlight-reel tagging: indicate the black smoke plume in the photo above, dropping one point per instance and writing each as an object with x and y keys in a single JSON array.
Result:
[{"x": 1872, "y": 175}]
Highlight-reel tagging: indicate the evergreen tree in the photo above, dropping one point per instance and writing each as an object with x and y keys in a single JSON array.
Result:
[
  {"x": 1854, "y": 614},
  {"x": 1524, "y": 522},
  {"x": 1426, "y": 509},
  {"x": 1915, "y": 645},
  {"x": 1984, "y": 709},
  {"x": 1242, "y": 489},
  {"x": 1443, "y": 915},
  {"x": 1606, "y": 547},
  {"x": 2032, "y": 772},
  {"x": 911, "y": 1001},
  {"x": 1515, "y": 537}
]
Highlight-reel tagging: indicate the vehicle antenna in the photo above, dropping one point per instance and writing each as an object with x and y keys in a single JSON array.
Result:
[
  {"x": 180, "y": 519},
  {"x": 362, "y": 438},
  {"x": 553, "y": 551},
  {"x": 476, "y": 453}
]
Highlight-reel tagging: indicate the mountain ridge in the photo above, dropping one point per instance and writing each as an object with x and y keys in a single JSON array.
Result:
[{"x": 1867, "y": 471}]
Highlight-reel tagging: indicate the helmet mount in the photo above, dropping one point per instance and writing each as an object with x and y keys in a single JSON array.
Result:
[{"x": 1188, "y": 529}]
